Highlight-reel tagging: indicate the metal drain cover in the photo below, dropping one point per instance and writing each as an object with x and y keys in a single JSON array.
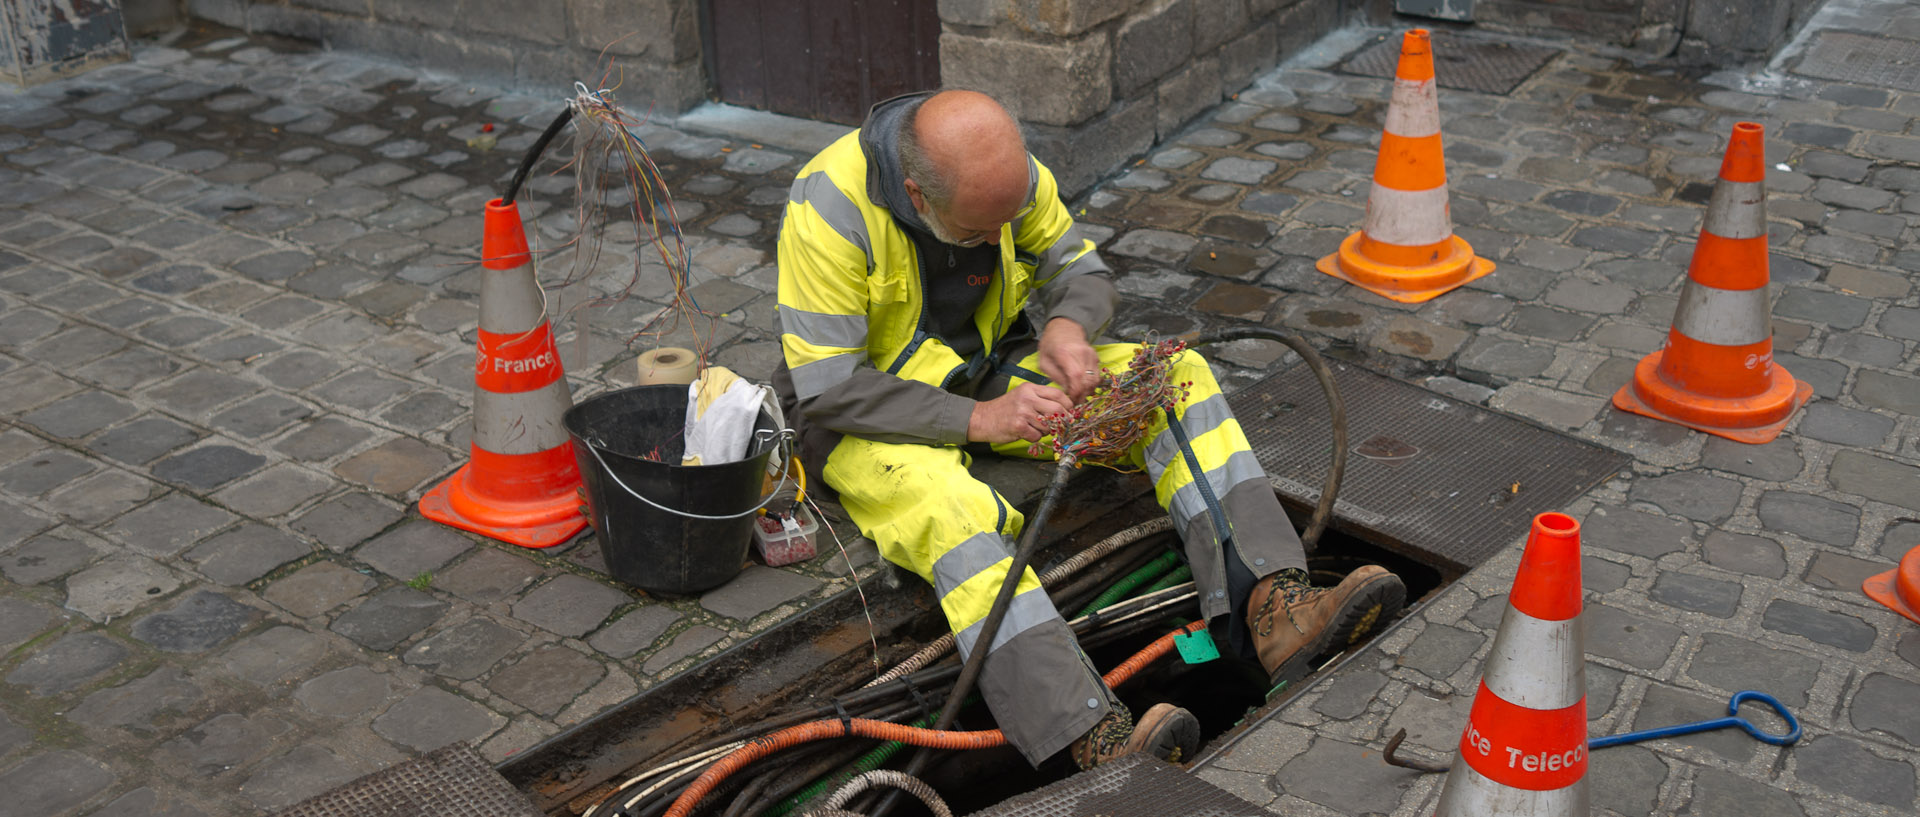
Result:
[
  {"x": 1857, "y": 58},
  {"x": 1136, "y": 785},
  {"x": 446, "y": 782},
  {"x": 1444, "y": 482},
  {"x": 1461, "y": 63}
]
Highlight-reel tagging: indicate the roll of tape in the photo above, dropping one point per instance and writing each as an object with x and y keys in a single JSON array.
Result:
[{"x": 669, "y": 365}]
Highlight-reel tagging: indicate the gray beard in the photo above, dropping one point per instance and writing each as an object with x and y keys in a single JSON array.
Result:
[{"x": 936, "y": 227}]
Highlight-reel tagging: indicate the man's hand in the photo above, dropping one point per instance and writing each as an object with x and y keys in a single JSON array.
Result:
[
  {"x": 1015, "y": 415},
  {"x": 1067, "y": 358}
]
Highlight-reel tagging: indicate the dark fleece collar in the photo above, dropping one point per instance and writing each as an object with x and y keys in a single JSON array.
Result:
[{"x": 880, "y": 141}]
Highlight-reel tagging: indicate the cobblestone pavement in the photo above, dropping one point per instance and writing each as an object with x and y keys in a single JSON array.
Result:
[{"x": 237, "y": 309}]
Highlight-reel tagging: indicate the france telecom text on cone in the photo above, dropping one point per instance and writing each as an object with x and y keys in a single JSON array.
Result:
[
  {"x": 521, "y": 483},
  {"x": 1405, "y": 249},
  {"x": 1717, "y": 372},
  {"x": 1524, "y": 752}
]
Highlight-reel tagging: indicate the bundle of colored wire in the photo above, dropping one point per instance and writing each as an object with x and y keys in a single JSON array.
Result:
[
  {"x": 605, "y": 147},
  {"x": 1106, "y": 425}
]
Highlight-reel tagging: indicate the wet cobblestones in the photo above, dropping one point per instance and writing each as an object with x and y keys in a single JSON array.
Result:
[{"x": 237, "y": 309}]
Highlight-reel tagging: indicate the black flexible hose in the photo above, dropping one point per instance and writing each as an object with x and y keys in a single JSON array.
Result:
[
  {"x": 1323, "y": 512},
  {"x": 1095, "y": 631},
  {"x": 1321, "y": 515},
  {"x": 989, "y": 626},
  {"x": 794, "y": 780},
  {"x": 533, "y": 154}
]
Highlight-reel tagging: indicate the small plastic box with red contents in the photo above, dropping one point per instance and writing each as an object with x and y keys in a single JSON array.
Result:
[{"x": 783, "y": 539}]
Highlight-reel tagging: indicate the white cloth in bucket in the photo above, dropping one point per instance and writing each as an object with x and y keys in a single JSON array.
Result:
[{"x": 721, "y": 410}]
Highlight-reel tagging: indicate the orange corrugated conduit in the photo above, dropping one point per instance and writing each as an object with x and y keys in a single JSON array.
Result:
[{"x": 883, "y": 730}]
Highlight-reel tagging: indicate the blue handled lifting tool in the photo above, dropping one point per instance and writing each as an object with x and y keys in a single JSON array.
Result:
[{"x": 1733, "y": 719}]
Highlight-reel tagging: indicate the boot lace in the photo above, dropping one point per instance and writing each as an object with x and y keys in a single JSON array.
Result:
[
  {"x": 1289, "y": 589},
  {"x": 1105, "y": 740}
]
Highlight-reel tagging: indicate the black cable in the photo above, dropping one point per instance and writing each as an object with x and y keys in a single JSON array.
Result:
[
  {"x": 989, "y": 626},
  {"x": 1336, "y": 407},
  {"x": 678, "y": 781},
  {"x": 866, "y": 697},
  {"x": 1094, "y": 579},
  {"x": 741, "y": 805},
  {"x": 533, "y": 154},
  {"x": 801, "y": 777}
]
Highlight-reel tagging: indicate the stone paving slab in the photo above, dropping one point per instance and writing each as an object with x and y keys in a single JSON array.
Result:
[{"x": 237, "y": 306}]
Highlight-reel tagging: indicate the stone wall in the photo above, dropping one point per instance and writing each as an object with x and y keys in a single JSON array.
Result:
[
  {"x": 1715, "y": 31},
  {"x": 1099, "y": 81},
  {"x": 652, "y": 46},
  {"x": 1096, "y": 81}
]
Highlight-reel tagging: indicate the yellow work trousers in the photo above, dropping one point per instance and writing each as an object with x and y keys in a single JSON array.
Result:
[{"x": 928, "y": 514}]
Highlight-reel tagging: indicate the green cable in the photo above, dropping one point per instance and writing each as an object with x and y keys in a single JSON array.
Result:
[
  {"x": 885, "y": 751},
  {"x": 861, "y": 765},
  {"x": 1180, "y": 574},
  {"x": 1132, "y": 580}
]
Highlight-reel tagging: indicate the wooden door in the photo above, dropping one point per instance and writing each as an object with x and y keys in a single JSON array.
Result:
[{"x": 821, "y": 59}]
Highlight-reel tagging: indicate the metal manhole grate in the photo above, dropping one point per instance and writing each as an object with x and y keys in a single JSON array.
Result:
[
  {"x": 1461, "y": 63},
  {"x": 1862, "y": 59},
  {"x": 443, "y": 783},
  {"x": 1133, "y": 786},
  {"x": 1427, "y": 476}
]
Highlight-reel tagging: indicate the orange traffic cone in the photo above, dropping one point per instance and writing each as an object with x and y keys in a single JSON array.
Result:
[
  {"x": 1405, "y": 249},
  {"x": 1525, "y": 746},
  {"x": 520, "y": 484},
  {"x": 1899, "y": 588},
  {"x": 1717, "y": 373}
]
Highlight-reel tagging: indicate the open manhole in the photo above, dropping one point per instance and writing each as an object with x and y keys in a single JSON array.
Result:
[
  {"x": 1461, "y": 63},
  {"x": 1864, "y": 60},
  {"x": 1430, "y": 491}
]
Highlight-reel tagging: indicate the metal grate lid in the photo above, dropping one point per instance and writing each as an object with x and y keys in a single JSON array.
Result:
[
  {"x": 1442, "y": 481},
  {"x": 1858, "y": 58},
  {"x": 1136, "y": 785},
  {"x": 1462, "y": 63},
  {"x": 446, "y": 782}
]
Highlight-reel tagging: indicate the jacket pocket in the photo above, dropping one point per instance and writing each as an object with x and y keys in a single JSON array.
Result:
[{"x": 887, "y": 287}]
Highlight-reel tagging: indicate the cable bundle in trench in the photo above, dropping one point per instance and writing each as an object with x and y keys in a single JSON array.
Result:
[
  {"x": 1107, "y": 431},
  {"x": 883, "y": 702}
]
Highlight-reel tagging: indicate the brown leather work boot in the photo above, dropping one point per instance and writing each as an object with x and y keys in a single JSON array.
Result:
[
  {"x": 1170, "y": 733},
  {"x": 1293, "y": 622}
]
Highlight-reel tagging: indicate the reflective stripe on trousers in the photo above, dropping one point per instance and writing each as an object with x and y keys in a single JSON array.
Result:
[{"x": 927, "y": 514}]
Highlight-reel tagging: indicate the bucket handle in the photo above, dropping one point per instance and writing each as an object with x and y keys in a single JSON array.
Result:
[{"x": 783, "y": 436}]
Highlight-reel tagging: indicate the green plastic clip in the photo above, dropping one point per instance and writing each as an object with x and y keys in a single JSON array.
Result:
[{"x": 1196, "y": 648}]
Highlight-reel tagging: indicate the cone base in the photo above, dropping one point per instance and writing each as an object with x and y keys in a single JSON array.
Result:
[
  {"x": 1898, "y": 589},
  {"x": 1754, "y": 420},
  {"x": 1408, "y": 285},
  {"x": 541, "y": 523},
  {"x": 1467, "y": 793}
]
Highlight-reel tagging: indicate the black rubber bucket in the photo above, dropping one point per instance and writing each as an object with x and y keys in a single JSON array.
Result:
[{"x": 630, "y": 442}]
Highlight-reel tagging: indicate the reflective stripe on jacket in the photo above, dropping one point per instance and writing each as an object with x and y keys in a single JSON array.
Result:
[{"x": 851, "y": 301}]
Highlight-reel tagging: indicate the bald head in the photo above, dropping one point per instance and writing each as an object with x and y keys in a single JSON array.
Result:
[{"x": 971, "y": 157}]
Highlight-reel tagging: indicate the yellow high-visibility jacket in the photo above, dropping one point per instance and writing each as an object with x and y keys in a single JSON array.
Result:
[{"x": 857, "y": 357}]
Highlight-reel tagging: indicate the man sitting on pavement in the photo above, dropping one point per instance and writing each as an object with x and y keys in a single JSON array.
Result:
[{"x": 908, "y": 255}]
